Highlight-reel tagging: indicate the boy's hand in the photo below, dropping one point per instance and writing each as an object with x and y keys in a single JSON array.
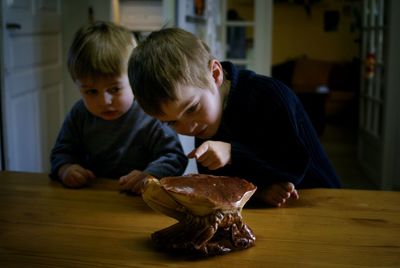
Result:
[
  {"x": 133, "y": 182},
  {"x": 212, "y": 154},
  {"x": 75, "y": 176}
]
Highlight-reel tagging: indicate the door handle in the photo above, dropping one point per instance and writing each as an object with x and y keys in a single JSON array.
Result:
[{"x": 13, "y": 26}]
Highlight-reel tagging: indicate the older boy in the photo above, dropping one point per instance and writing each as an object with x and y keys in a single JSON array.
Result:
[
  {"x": 245, "y": 124},
  {"x": 106, "y": 133}
]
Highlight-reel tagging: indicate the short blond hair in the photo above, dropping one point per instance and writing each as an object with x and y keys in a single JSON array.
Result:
[
  {"x": 166, "y": 59},
  {"x": 100, "y": 49}
]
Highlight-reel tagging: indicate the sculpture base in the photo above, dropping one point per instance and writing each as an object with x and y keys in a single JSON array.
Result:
[{"x": 199, "y": 236}]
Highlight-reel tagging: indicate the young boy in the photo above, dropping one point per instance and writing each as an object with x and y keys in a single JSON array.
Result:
[
  {"x": 245, "y": 124},
  {"x": 106, "y": 133}
]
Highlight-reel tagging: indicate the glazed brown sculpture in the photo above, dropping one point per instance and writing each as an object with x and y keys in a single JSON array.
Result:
[{"x": 208, "y": 209}]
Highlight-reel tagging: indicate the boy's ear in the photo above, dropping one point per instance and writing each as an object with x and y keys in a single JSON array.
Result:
[{"x": 217, "y": 72}]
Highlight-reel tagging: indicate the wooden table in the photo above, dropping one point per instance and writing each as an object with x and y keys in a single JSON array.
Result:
[{"x": 43, "y": 224}]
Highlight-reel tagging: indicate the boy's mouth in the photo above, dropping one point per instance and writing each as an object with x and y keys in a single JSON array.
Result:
[
  {"x": 109, "y": 114},
  {"x": 201, "y": 132}
]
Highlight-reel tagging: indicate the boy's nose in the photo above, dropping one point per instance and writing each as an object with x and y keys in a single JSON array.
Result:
[
  {"x": 107, "y": 98},
  {"x": 185, "y": 128}
]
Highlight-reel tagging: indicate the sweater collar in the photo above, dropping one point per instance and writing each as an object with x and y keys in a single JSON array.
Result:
[{"x": 232, "y": 73}]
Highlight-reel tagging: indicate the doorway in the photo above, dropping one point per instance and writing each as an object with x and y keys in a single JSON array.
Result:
[{"x": 316, "y": 51}]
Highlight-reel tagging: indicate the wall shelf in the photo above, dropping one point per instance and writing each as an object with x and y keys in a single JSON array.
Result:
[{"x": 195, "y": 19}]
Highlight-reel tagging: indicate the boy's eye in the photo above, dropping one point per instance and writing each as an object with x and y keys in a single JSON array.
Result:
[
  {"x": 114, "y": 90},
  {"x": 91, "y": 91},
  {"x": 192, "y": 109},
  {"x": 171, "y": 123}
]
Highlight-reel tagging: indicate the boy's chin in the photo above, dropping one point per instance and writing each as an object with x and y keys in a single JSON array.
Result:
[
  {"x": 206, "y": 134},
  {"x": 109, "y": 116}
]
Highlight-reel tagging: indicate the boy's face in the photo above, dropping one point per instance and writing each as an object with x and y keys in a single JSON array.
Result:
[
  {"x": 196, "y": 112},
  {"x": 106, "y": 97}
]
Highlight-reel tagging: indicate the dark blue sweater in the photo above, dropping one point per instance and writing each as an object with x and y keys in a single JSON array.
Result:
[
  {"x": 114, "y": 148},
  {"x": 271, "y": 135}
]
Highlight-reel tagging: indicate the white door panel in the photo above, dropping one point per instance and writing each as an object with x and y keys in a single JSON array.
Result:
[
  {"x": 34, "y": 79},
  {"x": 32, "y": 102},
  {"x": 32, "y": 50},
  {"x": 23, "y": 133}
]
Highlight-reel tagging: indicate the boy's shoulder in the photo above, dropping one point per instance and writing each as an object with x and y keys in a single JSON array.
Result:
[
  {"x": 256, "y": 84},
  {"x": 78, "y": 111},
  {"x": 260, "y": 91},
  {"x": 254, "y": 79},
  {"x": 250, "y": 81},
  {"x": 78, "y": 107}
]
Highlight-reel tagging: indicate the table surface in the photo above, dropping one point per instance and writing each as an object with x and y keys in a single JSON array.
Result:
[{"x": 43, "y": 224}]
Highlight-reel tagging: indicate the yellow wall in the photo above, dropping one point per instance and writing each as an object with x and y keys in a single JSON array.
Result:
[{"x": 296, "y": 34}]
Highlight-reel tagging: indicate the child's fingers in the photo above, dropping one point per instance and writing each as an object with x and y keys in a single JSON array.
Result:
[
  {"x": 199, "y": 151},
  {"x": 277, "y": 201},
  {"x": 131, "y": 175},
  {"x": 76, "y": 180},
  {"x": 291, "y": 190},
  {"x": 192, "y": 154},
  {"x": 122, "y": 180},
  {"x": 288, "y": 186},
  {"x": 132, "y": 186},
  {"x": 214, "y": 166},
  {"x": 295, "y": 194},
  {"x": 79, "y": 182},
  {"x": 90, "y": 175}
]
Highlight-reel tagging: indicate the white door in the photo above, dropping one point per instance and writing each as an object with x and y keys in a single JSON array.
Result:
[{"x": 32, "y": 95}]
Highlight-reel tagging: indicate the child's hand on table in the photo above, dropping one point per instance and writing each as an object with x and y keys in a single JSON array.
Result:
[
  {"x": 133, "y": 182},
  {"x": 75, "y": 176}
]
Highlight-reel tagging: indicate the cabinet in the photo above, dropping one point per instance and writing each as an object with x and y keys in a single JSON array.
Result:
[
  {"x": 236, "y": 30},
  {"x": 141, "y": 17},
  {"x": 202, "y": 18},
  {"x": 238, "y": 23}
]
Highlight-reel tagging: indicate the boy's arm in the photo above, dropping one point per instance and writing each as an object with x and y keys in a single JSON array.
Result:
[
  {"x": 292, "y": 168},
  {"x": 66, "y": 150},
  {"x": 168, "y": 158},
  {"x": 280, "y": 154}
]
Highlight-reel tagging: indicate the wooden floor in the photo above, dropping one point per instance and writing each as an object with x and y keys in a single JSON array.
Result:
[{"x": 340, "y": 143}]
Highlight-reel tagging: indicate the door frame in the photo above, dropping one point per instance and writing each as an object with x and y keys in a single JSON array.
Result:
[
  {"x": 391, "y": 135},
  {"x": 379, "y": 136}
]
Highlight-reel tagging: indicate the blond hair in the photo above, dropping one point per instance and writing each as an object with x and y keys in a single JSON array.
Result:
[
  {"x": 167, "y": 59},
  {"x": 100, "y": 49}
]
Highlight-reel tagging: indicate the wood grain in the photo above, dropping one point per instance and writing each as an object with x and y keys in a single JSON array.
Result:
[{"x": 43, "y": 224}]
